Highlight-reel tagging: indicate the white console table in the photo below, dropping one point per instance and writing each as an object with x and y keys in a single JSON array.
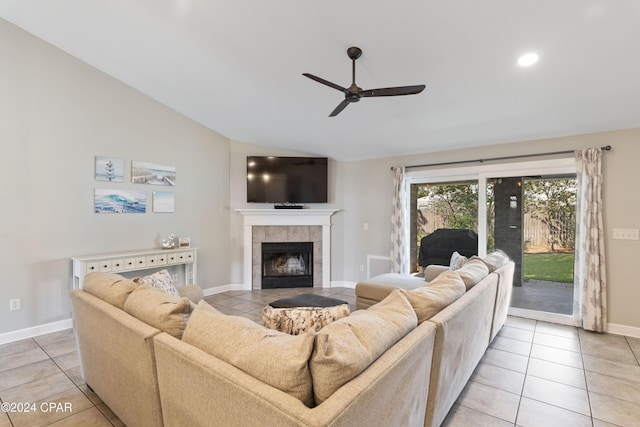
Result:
[{"x": 136, "y": 261}]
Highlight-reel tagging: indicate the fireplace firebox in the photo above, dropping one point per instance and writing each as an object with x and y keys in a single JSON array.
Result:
[{"x": 287, "y": 265}]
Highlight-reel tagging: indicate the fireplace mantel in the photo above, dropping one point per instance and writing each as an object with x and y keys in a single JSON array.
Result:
[{"x": 287, "y": 217}]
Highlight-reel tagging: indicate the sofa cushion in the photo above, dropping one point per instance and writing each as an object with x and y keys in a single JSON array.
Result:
[
  {"x": 111, "y": 288},
  {"x": 159, "y": 280},
  {"x": 273, "y": 357},
  {"x": 457, "y": 261},
  {"x": 378, "y": 287},
  {"x": 433, "y": 297},
  {"x": 472, "y": 272},
  {"x": 348, "y": 346},
  {"x": 494, "y": 260},
  {"x": 159, "y": 309},
  {"x": 432, "y": 271}
]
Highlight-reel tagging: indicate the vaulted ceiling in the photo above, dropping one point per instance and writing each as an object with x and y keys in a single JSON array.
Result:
[{"x": 236, "y": 66}]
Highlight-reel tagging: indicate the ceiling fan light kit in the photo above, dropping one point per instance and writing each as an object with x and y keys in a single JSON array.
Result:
[{"x": 354, "y": 93}]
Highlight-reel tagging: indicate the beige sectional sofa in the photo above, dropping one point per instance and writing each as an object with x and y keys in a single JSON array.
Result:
[
  {"x": 156, "y": 360},
  {"x": 200, "y": 376},
  {"x": 464, "y": 329}
]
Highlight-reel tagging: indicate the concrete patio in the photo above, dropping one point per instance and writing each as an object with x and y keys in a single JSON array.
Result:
[{"x": 546, "y": 296}]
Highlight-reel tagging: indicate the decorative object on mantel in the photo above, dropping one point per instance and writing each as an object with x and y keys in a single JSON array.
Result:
[
  {"x": 169, "y": 243},
  {"x": 184, "y": 242}
]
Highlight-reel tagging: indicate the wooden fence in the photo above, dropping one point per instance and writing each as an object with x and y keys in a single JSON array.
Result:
[{"x": 537, "y": 236}]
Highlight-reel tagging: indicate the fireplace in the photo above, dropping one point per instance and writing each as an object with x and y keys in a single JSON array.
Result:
[
  {"x": 284, "y": 225},
  {"x": 287, "y": 265}
]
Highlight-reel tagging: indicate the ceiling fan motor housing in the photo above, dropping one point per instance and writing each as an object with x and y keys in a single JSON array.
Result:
[{"x": 354, "y": 52}]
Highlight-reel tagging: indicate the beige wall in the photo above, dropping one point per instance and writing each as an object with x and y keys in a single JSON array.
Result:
[
  {"x": 369, "y": 191},
  {"x": 56, "y": 115},
  {"x": 59, "y": 113}
]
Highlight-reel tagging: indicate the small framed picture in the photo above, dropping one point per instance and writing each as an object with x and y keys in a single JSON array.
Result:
[
  {"x": 163, "y": 201},
  {"x": 109, "y": 169},
  {"x": 184, "y": 242}
]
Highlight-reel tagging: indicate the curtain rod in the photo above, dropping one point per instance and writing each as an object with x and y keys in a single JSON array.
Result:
[{"x": 521, "y": 156}]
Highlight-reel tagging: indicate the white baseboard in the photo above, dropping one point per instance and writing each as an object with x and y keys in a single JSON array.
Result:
[
  {"x": 34, "y": 331},
  {"x": 217, "y": 290},
  {"x": 612, "y": 328},
  {"x": 628, "y": 331}
]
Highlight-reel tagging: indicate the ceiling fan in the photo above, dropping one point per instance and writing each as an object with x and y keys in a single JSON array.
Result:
[{"x": 354, "y": 93}]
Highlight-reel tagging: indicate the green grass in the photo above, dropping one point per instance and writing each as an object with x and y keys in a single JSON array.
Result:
[{"x": 553, "y": 267}]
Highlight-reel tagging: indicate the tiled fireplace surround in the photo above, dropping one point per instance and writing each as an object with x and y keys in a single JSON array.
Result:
[
  {"x": 280, "y": 233},
  {"x": 283, "y": 225}
]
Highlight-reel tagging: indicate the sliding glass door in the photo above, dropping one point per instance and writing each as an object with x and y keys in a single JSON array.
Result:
[{"x": 526, "y": 210}]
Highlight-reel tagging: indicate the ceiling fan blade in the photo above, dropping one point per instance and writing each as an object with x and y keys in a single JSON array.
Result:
[
  {"x": 393, "y": 91},
  {"x": 339, "y": 108},
  {"x": 325, "y": 82}
]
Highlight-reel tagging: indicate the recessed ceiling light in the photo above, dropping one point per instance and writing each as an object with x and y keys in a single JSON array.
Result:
[{"x": 528, "y": 59}]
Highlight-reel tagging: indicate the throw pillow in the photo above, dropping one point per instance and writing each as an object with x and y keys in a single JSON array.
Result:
[
  {"x": 457, "y": 261},
  {"x": 495, "y": 260},
  {"x": 430, "y": 299},
  {"x": 160, "y": 280},
  {"x": 159, "y": 309},
  {"x": 275, "y": 358},
  {"x": 111, "y": 288},
  {"x": 348, "y": 346},
  {"x": 472, "y": 272}
]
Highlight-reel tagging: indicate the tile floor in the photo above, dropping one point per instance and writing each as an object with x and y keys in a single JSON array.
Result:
[
  {"x": 534, "y": 374},
  {"x": 543, "y": 374}
]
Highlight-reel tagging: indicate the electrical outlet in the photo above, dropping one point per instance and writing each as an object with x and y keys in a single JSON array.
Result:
[
  {"x": 365, "y": 226},
  {"x": 174, "y": 278},
  {"x": 14, "y": 304}
]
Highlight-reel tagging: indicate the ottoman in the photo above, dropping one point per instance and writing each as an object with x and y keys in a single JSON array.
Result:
[{"x": 303, "y": 313}]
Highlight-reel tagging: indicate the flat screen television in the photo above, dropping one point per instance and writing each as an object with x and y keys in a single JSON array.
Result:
[{"x": 283, "y": 180}]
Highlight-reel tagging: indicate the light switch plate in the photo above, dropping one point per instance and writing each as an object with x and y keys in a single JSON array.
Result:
[{"x": 626, "y": 234}]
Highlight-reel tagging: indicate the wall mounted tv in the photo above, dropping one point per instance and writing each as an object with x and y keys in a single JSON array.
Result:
[{"x": 286, "y": 179}]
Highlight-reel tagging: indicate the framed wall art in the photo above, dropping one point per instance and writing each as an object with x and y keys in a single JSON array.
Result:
[
  {"x": 119, "y": 201},
  {"x": 164, "y": 201},
  {"x": 152, "y": 173},
  {"x": 109, "y": 169}
]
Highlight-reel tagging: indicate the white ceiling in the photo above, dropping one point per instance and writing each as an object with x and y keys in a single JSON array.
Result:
[{"x": 236, "y": 66}]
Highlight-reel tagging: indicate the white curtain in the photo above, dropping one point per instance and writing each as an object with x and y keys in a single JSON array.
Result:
[
  {"x": 399, "y": 224},
  {"x": 590, "y": 287}
]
